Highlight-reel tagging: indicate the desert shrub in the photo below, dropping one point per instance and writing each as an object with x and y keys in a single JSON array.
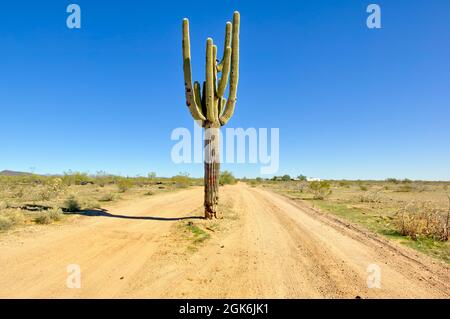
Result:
[
  {"x": 392, "y": 180},
  {"x": 226, "y": 177},
  {"x": 5, "y": 223},
  {"x": 344, "y": 184},
  {"x": 370, "y": 197},
  {"x": 4, "y": 205},
  {"x": 148, "y": 193},
  {"x": 76, "y": 178},
  {"x": 55, "y": 214},
  {"x": 301, "y": 178},
  {"x": 363, "y": 188},
  {"x": 18, "y": 192},
  {"x": 107, "y": 198},
  {"x": 72, "y": 205},
  {"x": 91, "y": 204},
  {"x": 405, "y": 188},
  {"x": 423, "y": 220},
  {"x": 43, "y": 219},
  {"x": 181, "y": 180},
  {"x": 16, "y": 217},
  {"x": 320, "y": 189},
  {"x": 124, "y": 184},
  {"x": 286, "y": 178}
]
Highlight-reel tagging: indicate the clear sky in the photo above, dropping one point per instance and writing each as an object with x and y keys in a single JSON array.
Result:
[{"x": 350, "y": 102}]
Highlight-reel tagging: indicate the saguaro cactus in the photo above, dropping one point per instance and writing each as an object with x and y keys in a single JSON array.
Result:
[{"x": 208, "y": 105}]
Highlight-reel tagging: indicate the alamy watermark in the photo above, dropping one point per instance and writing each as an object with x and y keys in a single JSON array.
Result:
[
  {"x": 374, "y": 19},
  {"x": 250, "y": 146},
  {"x": 73, "y": 280},
  {"x": 374, "y": 276},
  {"x": 73, "y": 21}
]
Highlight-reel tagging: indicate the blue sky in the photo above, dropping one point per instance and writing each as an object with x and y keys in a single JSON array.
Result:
[{"x": 350, "y": 102}]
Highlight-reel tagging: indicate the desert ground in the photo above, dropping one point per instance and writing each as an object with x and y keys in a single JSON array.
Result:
[{"x": 266, "y": 246}]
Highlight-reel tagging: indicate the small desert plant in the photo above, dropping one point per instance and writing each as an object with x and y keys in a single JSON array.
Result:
[
  {"x": 370, "y": 197},
  {"x": 405, "y": 189},
  {"x": 392, "y": 180},
  {"x": 320, "y": 189},
  {"x": 182, "y": 180},
  {"x": 148, "y": 193},
  {"x": 5, "y": 223},
  {"x": 344, "y": 184},
  {"x": 423, "y": 220},
  {"x": 363, "y": 188},
  {"x": 107, "y": 198},
  {"x": 55, "y": 214},
  {"x": 226, "y": 177},
  {"x": 124, "y": 184},
  {"x": 43, "y": 219},
  {"x": 72, "y": 205}
]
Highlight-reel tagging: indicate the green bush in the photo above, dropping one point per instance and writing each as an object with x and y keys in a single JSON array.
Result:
[
  {"x": 226, "y": 177},
  {"x": 320, "y": 189},
  {"x": 124, "y": 184},
  {"x": 286, "y": 178},
  {"x": 182, "y": 180},
  {"x": 72, "y": 205}
]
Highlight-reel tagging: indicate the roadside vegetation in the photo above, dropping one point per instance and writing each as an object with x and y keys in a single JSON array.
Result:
[
  {"x": 29, "y": 199},
  {"x": 414, "y": 213}
]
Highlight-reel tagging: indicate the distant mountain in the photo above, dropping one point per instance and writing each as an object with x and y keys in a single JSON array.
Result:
[{"x": 13, "y": 173}]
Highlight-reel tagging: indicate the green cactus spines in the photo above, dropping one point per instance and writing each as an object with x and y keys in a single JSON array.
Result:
[
  {"x": 190, "y": 100},
  {"x": 207, "y": 104},
  {"x": 226, "y": 44},
  {"x": 210, "y": 103},
  {"x": 234, "y": 76},
  {"x": 225, "y": 73}
]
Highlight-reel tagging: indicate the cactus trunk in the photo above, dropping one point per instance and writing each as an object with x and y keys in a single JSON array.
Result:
[
  {"x": 208, "y": 105},
  {"x": 212, "y": 170}
]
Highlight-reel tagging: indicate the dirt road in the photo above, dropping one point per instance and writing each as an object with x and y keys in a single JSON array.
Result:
[{"x": 269, "y": 247}]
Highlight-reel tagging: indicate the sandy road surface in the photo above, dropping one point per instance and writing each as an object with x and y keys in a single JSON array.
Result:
[{"x": 269, "y": 247}]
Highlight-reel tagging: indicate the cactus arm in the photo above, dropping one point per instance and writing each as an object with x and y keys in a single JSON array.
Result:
[
  {"x": 225, "y": 73},
  {"x": 222, "y": 102},
  {"x": 197, "y": 93},
  {"x": 210, "y": 103},
  {"x": 204, "y": 98},
  {"x": 226, "y": 44},
  {"x": 234, "y": 77},
  {"x": 190, "y": 101},
  {"x": 215, "y": 69}
]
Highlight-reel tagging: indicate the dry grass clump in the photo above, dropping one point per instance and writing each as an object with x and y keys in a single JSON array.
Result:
[
  {"x": 44, "y": 218},
  {"x": 370, "y": 197},
  {"x": 423, "y": 220},
  {"x": 10, "y": 218}
]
